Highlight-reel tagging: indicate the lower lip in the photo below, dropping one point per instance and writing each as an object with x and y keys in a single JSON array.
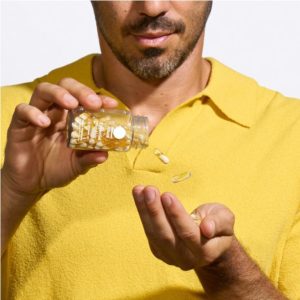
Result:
[{"x": 151, "y": 42}]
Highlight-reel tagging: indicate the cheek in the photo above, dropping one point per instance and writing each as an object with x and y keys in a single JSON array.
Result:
[{"x": 118, "y": 13}]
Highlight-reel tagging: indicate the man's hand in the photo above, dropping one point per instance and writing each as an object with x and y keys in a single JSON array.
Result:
[
  {"x": 173, "y": 235},
  {"x": 210, "y": 248},
  {"x": 37, "y": 158}
]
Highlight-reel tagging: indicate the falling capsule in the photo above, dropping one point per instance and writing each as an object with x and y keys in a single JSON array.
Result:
[
  {"x": 181, "y": 177},
  {"x": 165, "y": 159}
]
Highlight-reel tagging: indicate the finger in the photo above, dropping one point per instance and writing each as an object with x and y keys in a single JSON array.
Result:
[
  {"x": 26, "y": 114},
  {"x": 84, "y": 160},
  {"x": 184, "y": 226},
  {"x": 47, "y": 94},
  {"x": 86, "y": 96},
  {"x": 155, "y": 222},
  {"x": 138, "y": 195},
  {"x": 219, "y": 221}
]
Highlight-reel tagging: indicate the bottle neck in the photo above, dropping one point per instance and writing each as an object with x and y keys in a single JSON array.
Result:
[{"x": 140, "y": 131}]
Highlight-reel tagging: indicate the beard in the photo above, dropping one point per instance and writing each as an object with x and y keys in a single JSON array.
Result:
[{"x": 155, "y": 63}]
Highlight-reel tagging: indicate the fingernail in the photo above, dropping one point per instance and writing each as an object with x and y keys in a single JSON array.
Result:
[
  {"x": 168, "y": 200},
  {"x": 140, "y": 197},
  {"x": 94, "y": 99},
  {"x": 100, "y": 159},
  {"x": 109, "y": 101},
  {"x": 150, "y": 196},
  {"x": 43, "y": 120},
  {"x": 69, "y": 99}
]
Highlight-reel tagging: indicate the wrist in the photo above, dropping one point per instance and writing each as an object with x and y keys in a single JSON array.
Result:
[
  {"x": 11, "y": 193},
  {"x": 225, "y": 258},
  {"x": 230, "y": 270},
  {"x": 14, "y": 207}
]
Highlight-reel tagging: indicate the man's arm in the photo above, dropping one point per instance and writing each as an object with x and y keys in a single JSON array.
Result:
[
  {"x": 210, "y": 248},
  {"x": 234, "y": 275},
  {"x": 36, "y": 156},
  {"x": 14, "y": 207}
]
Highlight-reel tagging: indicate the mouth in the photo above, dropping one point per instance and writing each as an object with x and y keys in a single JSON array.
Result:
[{"x": 152, "y": 39}]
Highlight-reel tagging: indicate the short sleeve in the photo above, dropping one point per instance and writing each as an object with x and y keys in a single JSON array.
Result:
[
  {"x": 289, "y": 275},
  {"x": 11, "y": 96}
]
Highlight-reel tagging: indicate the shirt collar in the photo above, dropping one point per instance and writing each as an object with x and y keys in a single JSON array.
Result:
[{"x": 233, "y": 93}]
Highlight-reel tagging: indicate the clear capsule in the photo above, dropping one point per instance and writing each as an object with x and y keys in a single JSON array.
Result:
[
  {"x": 196, "y": 218},
  {"x": 181, "y": 177}
]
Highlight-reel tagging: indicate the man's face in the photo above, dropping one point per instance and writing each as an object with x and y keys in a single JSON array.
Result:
[{"x": 151, "y": 38}]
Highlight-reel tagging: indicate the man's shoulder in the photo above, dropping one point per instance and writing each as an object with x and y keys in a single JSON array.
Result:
[
  {"x": 80, "y": 70},
  {"x": 277, "y": 106},
  {"x": 244, "y": 100}
]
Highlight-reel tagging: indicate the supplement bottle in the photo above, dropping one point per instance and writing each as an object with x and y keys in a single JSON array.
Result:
[{"x": 106, "y": 129}]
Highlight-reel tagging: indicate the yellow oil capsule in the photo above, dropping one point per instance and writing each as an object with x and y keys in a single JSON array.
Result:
[
  {"x": 181, "y": 177},
  {"x": 196, "y": 218}
]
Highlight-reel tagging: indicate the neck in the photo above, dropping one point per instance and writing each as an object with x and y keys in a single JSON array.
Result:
[{"x": 152, "y": 98}]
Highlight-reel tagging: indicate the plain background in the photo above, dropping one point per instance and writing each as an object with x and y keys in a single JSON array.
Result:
[{"x": 258, "y": 38}]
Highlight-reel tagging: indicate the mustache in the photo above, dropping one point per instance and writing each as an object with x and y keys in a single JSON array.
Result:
[{"x": 154, "y": 23}]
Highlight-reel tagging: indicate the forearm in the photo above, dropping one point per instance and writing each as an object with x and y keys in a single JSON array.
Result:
[
  {"x": 236, "y": 276},
  {"x": 14, "y": 207}
]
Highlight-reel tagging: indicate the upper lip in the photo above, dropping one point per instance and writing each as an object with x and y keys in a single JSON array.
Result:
[{"x": 152, "y": 35}]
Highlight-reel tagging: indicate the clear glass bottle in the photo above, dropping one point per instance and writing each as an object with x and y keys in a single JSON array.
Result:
[{"x": 106, "y": 129}]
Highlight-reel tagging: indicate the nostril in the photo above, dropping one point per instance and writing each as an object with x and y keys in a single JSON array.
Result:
[{"x": 161, "y": 14}]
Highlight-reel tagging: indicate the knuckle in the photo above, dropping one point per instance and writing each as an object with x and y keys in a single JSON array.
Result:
[
  {"x": 165, "y": 239},
  {"x": 187, "y": 235},
  {"x": 155, "y": 251},
  {"x": 22, "y": 109},
  {"x": 186, "y": 261},
  {"x": 152, "y": 236},
  {"x": 173, "y": 214},
  {"x": 58, "y": 92},
  {"x": 153, "y": 210},
  {"x": 228, "y": 216},
  {"x": 83, "y": 93},
  {"x": 159, "y": 238},
  {"x": 185, "y": 267},
  {"x": 159, "y": 255},
  {"x": 41, "y": 86},
  {"x": 65, "y": 81},
  {"x": 19, "y": 108}
]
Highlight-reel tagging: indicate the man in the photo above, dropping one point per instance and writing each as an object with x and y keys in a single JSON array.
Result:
[{"x": 66, "y": 236}]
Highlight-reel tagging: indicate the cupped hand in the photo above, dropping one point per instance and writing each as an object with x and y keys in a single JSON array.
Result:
[{"x": 173, "y": 235}]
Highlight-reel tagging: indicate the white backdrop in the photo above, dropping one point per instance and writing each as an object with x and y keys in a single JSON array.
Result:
[{"x": 258, "y": 38}]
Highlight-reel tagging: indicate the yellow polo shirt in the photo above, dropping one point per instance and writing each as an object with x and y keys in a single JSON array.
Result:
[{"x": 241, "y": 143}]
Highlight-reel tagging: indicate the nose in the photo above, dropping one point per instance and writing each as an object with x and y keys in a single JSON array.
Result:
[{"x": 153, "y": 8}]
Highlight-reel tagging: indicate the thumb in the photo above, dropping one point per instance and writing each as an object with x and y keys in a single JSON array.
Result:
[
  {"x": 218, "y": 222},
  {"x": 85, "y": 160}
]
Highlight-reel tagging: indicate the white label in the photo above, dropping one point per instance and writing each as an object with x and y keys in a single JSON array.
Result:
[{"x": 119, "y": 132}]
